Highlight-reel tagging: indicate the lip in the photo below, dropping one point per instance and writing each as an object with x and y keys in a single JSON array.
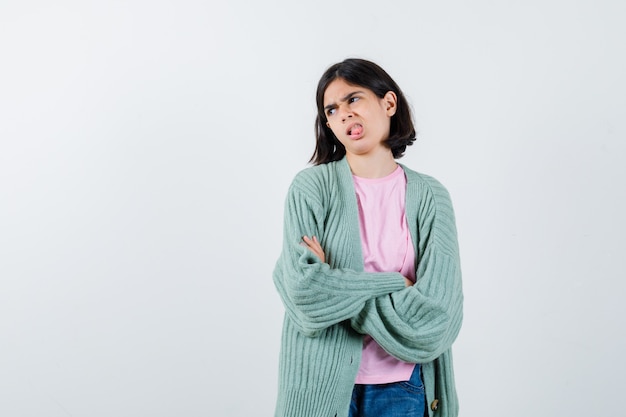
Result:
[{"x": 349, "y": 129}]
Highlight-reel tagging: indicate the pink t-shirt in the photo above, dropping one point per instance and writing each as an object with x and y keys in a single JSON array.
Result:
[{"x": 387, "y": 247}]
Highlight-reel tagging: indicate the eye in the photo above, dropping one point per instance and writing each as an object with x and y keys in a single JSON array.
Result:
[
  {"x": 353, "y": 99},
  {"x": 330, "y": 112}
]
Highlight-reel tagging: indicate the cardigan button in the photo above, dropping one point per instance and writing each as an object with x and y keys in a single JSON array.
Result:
[{"x": 434, "y": 405}]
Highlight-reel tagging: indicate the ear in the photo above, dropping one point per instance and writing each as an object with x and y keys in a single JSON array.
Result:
[{"x": 390, "y": 101}]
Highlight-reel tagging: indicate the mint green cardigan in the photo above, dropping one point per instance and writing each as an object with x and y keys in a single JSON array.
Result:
[{"x": 330, "y": 306}]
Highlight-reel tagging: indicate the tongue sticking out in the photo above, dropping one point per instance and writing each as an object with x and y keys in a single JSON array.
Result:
[{"x": 355, "y": 131}]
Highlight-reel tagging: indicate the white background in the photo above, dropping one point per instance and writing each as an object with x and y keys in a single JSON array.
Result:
[{"x": 145, "y": 152}]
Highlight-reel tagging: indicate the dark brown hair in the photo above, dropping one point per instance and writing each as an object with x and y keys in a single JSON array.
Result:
[{"x": 366, "y": 74}]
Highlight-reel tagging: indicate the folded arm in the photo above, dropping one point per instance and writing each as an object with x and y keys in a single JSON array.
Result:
[
  {"x": 419, "y": 323},
  {"x": 315, "y": 295}
]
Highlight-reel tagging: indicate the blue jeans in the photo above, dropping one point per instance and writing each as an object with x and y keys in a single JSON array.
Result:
[{"x": 397, "y": 399}]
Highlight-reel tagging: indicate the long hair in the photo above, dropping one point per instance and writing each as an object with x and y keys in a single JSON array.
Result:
[{"x": 365, "y": 74}]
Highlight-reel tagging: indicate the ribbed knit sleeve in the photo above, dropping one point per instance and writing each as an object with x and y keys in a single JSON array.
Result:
[
  {"x": 419, "y": 323},
  {"x": 315, "y": 294}
]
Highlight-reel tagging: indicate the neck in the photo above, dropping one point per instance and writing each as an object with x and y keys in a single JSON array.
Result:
[{"x": 376, "y": 165}]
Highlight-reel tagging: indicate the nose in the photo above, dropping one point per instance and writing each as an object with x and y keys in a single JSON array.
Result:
[{"x": 344, "y": 112}]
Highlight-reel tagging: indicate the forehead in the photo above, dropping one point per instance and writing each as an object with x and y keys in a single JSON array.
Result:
[{"x": 339, "y": 88}]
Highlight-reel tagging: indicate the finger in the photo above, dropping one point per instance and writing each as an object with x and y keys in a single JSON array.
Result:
[
  {"x": 315, "y": 248},
  {"x": 317, "y": 242},
  {"x": 312, "y": 243}
]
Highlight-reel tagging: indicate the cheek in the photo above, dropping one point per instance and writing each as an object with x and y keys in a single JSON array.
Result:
[
  {"x": 339, "y": 137},
  {"x": 334, "y": 129},
  {"x": 384, "y": 123}
]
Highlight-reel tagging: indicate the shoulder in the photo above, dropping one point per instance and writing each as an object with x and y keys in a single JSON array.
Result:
[
  {"x": 429, "y": 201},
  {"x": 318, "y": 179},
  {"x": 427, "y": 186}
]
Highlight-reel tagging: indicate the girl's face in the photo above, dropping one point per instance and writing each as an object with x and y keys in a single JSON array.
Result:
[{"x": 359, "y": 119}]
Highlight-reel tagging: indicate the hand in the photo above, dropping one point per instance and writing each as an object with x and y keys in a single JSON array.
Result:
[
  {"x": 314, "y": 246},
  {"x": 408, "y": 282}
]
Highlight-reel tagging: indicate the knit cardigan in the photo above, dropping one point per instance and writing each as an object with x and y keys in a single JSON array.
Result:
[{"x": 330, "y": 306}]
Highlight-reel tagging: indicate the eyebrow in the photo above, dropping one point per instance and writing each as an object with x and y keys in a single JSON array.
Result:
[{"x": 344, "y": 99}]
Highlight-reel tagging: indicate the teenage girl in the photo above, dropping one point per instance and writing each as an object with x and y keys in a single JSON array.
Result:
[{"x": 369, "y": 272}]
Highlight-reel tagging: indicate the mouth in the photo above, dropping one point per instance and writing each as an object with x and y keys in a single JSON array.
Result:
[{"x": 354, "y": 131}]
